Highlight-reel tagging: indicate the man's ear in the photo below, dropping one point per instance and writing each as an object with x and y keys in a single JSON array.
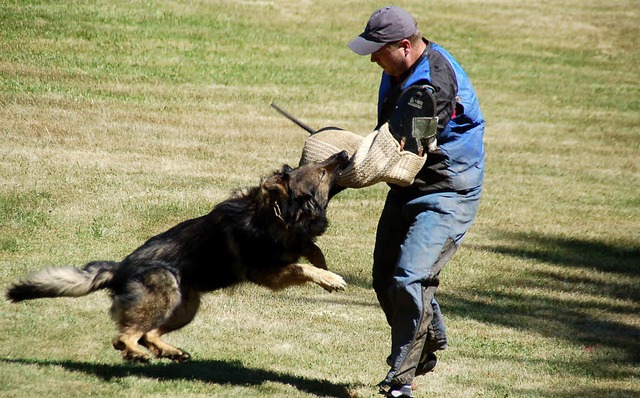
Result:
[{"x": 406, "y": 45}]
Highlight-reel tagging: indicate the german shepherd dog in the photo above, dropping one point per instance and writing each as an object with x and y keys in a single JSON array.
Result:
[{"x": 257, "y": 235}]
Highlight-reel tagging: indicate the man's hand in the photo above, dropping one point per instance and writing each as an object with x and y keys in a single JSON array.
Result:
[{"x": 402, "y": 142}]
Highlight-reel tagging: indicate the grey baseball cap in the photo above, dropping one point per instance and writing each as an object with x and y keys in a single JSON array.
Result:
[{"x": 386, "y": 25}]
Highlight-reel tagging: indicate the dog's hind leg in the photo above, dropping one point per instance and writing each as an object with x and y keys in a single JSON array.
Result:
[
  {"x": 297, "y": 274},
  {"x": 181, "y": 316},
  {"x": 127, "y": 342},
  {"x": 145, "y": 303},
  {"x": 162, "y": 349}
]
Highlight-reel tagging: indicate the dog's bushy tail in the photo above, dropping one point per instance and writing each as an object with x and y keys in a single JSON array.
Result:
[{"x": 63, "y": 281}]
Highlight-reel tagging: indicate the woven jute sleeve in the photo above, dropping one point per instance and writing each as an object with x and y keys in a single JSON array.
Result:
[
  {"x": 319, "y": 146},
  {"x": 373, "y": 159}
]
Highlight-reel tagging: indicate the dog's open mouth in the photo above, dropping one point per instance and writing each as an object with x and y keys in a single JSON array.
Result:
[
  {"x": 336, "y": 163},
  {"x": 342, "y": 158}
]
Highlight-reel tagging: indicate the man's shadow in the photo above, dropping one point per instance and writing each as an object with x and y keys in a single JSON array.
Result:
[{"x": 209, "y": 371}]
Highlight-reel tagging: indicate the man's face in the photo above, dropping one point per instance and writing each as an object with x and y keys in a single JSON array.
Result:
[{"x": 391, "y": 58}]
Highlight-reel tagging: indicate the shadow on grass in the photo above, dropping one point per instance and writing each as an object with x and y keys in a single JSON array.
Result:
[
  {"x": 581, "y": 392},
  {"x": 622, "y": 259},
  {"x": 586, "y": 292},
  {"x": 209, "y": 371}
]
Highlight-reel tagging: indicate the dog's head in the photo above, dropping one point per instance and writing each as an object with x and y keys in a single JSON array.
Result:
[{"x": 304, "y": 192}]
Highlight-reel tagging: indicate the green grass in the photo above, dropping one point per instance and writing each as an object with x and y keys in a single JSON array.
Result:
[{"x": 120, "y": 119}]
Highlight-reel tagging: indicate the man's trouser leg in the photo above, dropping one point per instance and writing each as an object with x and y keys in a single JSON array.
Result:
[
  {"x": 392, "y": 228},
  {"x": 439, "y": 223}
]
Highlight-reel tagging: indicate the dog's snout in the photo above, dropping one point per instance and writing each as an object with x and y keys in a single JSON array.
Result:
[
  {"x": 336, "y": 161},
  {"x": 343, "y": 157},
  {"x": 334, "y": 164}
]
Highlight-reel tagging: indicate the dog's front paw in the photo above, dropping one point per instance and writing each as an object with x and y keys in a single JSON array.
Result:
[{"x": 330, "y": 281}]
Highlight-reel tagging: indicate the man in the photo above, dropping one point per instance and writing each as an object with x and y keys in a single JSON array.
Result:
[{"x": 422, "y": 225}]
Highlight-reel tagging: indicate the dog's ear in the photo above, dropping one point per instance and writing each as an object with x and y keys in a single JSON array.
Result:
[{"x": 275, "y": 184}]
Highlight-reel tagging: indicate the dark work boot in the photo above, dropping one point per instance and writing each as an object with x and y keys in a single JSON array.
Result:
[
  {"x": 395, "y": 391},
  {"x": 426, "y": 364}
]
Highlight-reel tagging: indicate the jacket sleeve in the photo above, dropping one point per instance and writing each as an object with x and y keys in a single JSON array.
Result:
[{"x": 443, "y": 80}]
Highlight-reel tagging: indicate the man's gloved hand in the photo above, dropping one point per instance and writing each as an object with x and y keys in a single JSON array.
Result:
[{"x": 414, "y": 124}]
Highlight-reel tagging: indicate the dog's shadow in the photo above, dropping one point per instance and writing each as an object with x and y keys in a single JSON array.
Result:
[{"x": 209, "y": 371}]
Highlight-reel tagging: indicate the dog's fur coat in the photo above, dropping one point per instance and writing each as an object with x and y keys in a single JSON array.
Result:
[{"x": 257, "y": 235}]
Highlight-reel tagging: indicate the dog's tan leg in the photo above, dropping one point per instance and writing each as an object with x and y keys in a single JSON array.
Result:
[
  {"x": 298, "y": 274},
  {"x": 147, "y": 305},
  {"x": 127, "y": 342},
  {"x": 180, "y": 316},
  {"x": 315, "y": 256},
  {"x": 161, "y": 349}
]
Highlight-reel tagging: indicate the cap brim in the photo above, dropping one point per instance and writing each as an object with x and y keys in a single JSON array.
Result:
[{"x": 361, "y": 46}]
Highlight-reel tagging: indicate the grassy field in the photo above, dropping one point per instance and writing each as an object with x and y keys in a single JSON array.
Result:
[{"x": 119, "y": 119}]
